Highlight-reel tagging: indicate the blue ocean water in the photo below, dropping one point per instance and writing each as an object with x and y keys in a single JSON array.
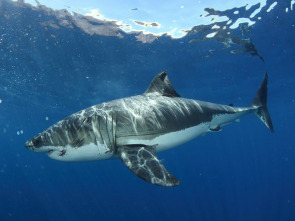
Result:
[{"x": 49, "y": 71}]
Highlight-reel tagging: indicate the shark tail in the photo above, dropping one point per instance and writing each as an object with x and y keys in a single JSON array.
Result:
[{"x": 259, "y": 103}]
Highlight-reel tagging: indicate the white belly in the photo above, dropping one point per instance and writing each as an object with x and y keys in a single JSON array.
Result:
[
  {"x": 173, "y": 139},
  {"x": 88, "y": 152}
]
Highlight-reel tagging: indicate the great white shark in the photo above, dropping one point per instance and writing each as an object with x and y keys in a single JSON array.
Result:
[{"x": 134, "y": 129}]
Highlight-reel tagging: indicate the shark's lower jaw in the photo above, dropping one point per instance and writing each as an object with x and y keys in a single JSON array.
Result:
[
  {"x": 89, "y": 152},
  {"x": 40, "y": 149}
]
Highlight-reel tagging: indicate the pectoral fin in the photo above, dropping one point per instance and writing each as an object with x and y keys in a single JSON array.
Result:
[{"x": 142, "y": 161}]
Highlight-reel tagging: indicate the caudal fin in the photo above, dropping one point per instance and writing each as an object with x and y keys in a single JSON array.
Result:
[{"x": 260, "y": 101}]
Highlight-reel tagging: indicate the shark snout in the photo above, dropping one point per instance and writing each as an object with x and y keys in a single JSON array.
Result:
[
  {"x": 35, "y": 144},
  {"x": 29, "y": 145},
  {"x": 39, "y": 144}
]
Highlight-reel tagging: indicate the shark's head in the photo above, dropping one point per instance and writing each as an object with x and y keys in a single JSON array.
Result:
[
  {"x": 76, "y": 138},
  {"x": 67, "y": 132},
  {"x": 39, "y": 143}
]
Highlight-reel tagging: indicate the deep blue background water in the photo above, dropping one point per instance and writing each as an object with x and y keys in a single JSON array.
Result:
[{"x": 241, "y": 173}]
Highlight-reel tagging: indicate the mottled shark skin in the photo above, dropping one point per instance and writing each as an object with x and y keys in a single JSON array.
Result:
[{"x": 134, "y": 129}]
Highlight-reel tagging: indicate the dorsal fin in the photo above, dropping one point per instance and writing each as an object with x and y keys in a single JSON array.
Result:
[{"x": 162, "y": 85}]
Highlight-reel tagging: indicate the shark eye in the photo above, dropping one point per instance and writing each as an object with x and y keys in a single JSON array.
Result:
[{"x": 38, "y": 142}]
